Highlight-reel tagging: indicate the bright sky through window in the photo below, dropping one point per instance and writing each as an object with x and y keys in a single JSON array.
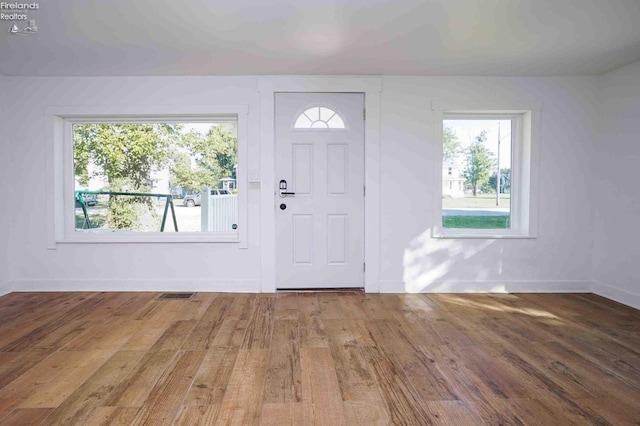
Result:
[{"x": 467, "y": 130}]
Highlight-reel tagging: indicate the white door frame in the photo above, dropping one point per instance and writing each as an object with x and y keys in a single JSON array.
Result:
[{"x": 267, "y": 88}]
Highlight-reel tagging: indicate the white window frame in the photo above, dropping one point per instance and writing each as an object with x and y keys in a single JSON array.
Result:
[
  {"x": 524, "y": 168},
  {"x": 60, "y": 169}
]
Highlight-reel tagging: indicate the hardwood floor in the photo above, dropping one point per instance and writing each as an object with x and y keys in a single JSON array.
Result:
[{"x": 318, "y": 358}]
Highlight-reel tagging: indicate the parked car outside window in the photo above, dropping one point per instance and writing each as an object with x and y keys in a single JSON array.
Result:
[
  {"x": 193, "y": 200},
  {"x": 90, "y": 200}
]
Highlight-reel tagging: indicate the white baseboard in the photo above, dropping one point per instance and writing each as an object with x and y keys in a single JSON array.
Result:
[
  {"x": 488, "y": 287},
  {"x": 226, "y": 286},
  {"x": 6, "y": 288},
  {"x": 622, "y": 296},
  {"x": 253, "y": 286}
]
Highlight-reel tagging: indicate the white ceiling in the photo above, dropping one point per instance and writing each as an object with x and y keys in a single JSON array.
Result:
[{"x": 257, "y": 37}]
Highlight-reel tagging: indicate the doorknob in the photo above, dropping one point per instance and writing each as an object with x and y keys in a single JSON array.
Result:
[{"x": 283, "y": 189}]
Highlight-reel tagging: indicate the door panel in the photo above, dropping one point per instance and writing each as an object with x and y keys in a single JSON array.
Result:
[
  {"x": 302, "y": 239},
  {"x": 302, "y": 183},
  {"x": 337, "y": 169},
  {"x": 320, "y": 155},
  {"x": 337, "y": 239}
]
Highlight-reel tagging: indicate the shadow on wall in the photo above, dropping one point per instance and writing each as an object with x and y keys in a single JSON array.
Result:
[{"x": 428, "y": 261}]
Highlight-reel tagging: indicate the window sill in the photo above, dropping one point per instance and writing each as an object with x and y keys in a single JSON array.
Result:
[
  {"x": 483, "y": 237},
  {"x": 479, "y": 234},
  {"x": 148, "y": 238}
]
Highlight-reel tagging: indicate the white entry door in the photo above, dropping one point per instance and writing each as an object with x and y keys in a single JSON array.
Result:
[{"x": 320, "y": 190}]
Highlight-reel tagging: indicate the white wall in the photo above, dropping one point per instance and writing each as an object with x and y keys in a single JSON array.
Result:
[
  {"x": 617, "y": 188},
  {"x": 117, "y": 266},
  {"x": 5, "y": 276},
  {"x": 558, "y": 260}
]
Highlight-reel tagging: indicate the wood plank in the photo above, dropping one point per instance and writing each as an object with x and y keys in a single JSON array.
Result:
[
  {"x": 197, "y": 415},
  {"x": 157, "y": 318},
  {"x": 133, "y": 305},
  {"x": 37, "y": 310},
  {"x": 608, "y": 383},
  {"x": 242, "y": 402},
  {"x": 36, "y": 377},
  {"x": 111, "y": 303},
  {"x": 18, "y": 306},
  {"x": 410, "y": 308},
  {"x": 112, "y": 416},
  {"x": 260, "y": 325},
  {"x": 320, "y": 388},
  {"x": 501, "y": 346},
  {"x": 153, "y": 308},
  {"x": 331, "y": 307},
  {"x": 355, "y": 376},
  {"x": 375, "y": 307},
  {"x": 550, "y": 387},
  {"x": 613, "y": 308},
  {"x": 461, "y": 306},
  {"x": 26, "y": 416},
  {"x": 107, "y": 335},
  {"x": 403, "y": 403},
  {"x": 311, "y": 328},
  {"x": 281, "y": 414},
  {"x": 92, "y": 393},
  {"x": 166, "y": 397},
  {"x": 366, "y": 413},
  {"x": 195, "y": 307},
  {"x": 230, "y": 334},
  {"x": 55, "y": 321},
  {"x": 286, "y": 306},
  {"x": 561, "y": 372},
  {"x": 103, "y": 416},
  {"x": 573, "y": 309},
  {"x": 242, "y": 307},
  {"x": 63, "y": 335},
  {"x": 478, "y": 393},
  {"x": 542, "y": 411},
  {"x": 174, "y": 337},
  {"x": 352, "y": 305},
  {"x": 204, "y": 333},
  {"x": 72, "y": 375},
  {"x": 406, "y": 355},
  {"x": 616, "y": 411},
  {"x": 283, "y": 381},
  {"x": 211, "y": 380},
  {"x": 14, "y": 364},
  {"x": 454, "y": 413},
  {"x": 136, "y": 386}
]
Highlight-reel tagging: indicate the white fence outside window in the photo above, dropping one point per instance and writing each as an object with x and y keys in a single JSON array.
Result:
[{"x": 219, "y": 213}]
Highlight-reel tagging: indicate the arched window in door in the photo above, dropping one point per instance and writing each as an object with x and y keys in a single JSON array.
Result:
[{"x": 319, "y": 118}]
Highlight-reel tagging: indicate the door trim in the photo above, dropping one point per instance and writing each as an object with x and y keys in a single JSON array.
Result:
[
  {"x": 267, "y": 88},
  {"x": 308, "y": 226}
]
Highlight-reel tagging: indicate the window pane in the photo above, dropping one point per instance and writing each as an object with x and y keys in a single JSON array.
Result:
[
  {"x": 319, "y": 118},
  {"x": 336, "y": 122},
  {"x": 476, "y": 173},
  {"x": 302, "y": 122},
  {"x": 319, "y": 125},
  {"x": 326, "y": 113},
  {"x": 126, "y": 174},
  {"x": 313, "y": 113}
]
